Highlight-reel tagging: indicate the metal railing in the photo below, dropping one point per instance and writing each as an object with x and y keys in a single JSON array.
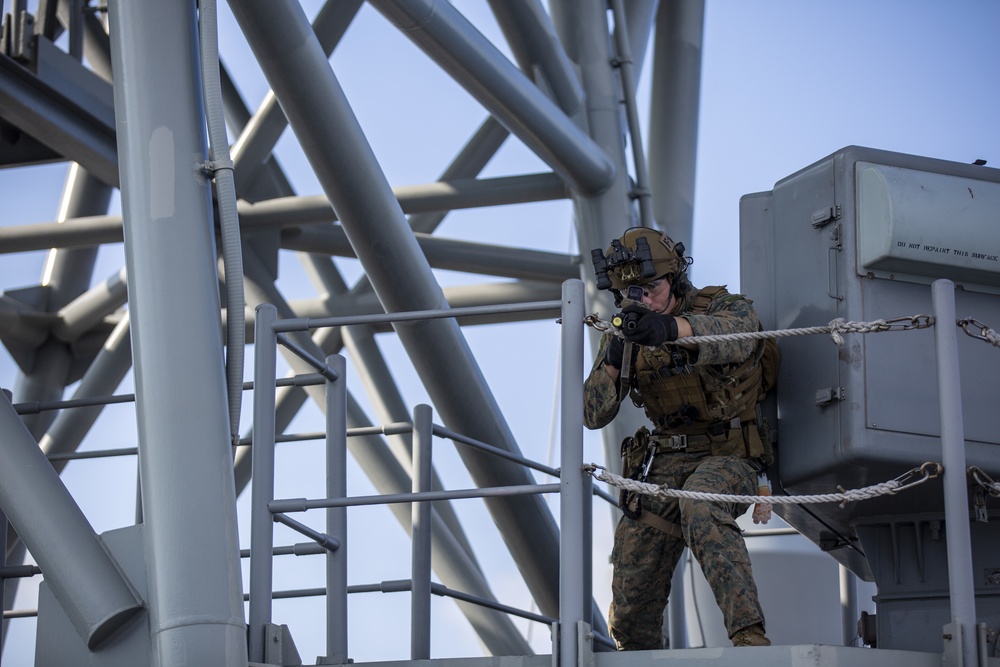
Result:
[
  {"x": 573, "y": 489},
  {"x": 570, "y": 630}
]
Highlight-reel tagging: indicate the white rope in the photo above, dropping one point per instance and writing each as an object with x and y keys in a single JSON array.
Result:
[
  {"x": 991, "y": 337},
  {"x": 645, "y": 488},
  {"x": 836, "y": 328}
]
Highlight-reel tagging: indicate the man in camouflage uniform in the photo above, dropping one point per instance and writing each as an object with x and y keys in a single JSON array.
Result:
[{"x": 701, "y": 400}]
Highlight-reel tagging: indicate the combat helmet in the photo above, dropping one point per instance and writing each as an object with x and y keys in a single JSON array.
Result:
[{"x": 639, "y": 256}]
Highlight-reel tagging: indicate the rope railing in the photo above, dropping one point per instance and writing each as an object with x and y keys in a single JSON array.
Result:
[
  {"x": 836, "y": 328},
  {"x": 926, "y": 472}
]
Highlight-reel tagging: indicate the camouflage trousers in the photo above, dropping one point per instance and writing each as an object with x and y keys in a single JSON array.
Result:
[{"x": 644, "y": 557}]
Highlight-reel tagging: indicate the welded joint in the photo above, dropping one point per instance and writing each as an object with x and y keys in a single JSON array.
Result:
[
  {"x": 321, "y": 367},
  {"x": 584, "y": 644},
  {"x": 326, "y": 541}
]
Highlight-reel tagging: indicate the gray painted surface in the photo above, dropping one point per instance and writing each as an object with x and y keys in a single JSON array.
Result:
[
  {"x": 86, "y": 581},
  {"x": 600, "y": 215},
  {"x": 808, "y": 252},
  {"x": 185, "y": 465}
]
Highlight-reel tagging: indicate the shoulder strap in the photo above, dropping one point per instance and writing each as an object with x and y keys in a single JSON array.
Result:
[{"x": 705, "y": 296}]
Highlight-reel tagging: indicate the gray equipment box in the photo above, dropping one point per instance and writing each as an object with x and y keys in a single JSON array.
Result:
[{"x": 861, "y": 235}]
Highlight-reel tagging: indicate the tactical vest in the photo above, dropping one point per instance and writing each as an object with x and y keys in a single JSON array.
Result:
[{"x": 713, "y": 408}]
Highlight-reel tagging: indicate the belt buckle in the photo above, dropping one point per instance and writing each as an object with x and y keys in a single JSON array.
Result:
[{"x": 678, "y": 442}]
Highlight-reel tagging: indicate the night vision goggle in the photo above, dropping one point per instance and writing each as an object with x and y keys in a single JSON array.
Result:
[{"x": 633, "y": 266}]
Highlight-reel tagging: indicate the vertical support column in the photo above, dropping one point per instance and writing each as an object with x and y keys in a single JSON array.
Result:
[
  {"x": 849, "y": 607},
  {"x": 674, "y": 103},
  {"x": 185, "y": 456},
  {"x": 676, "y": 614},
  {"x": 582, "y": 25},
  {"x": 336, "y": 517},
  {"x": 420, "y": 590},
  {"x": 575, "y": 504},
  {"x": 3, "y": 582},
  {"x": 956, "y": 504},
  {"x": 262, "y": 491},
  {"x": 624, "y": 49}
]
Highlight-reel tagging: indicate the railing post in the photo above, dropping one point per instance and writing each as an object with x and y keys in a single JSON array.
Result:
[
  {"x": 575, "y": 498},
  {"x": 420, "y": 576},
  {"x": 261, "y": 521},
  {"x": 3, "y": 564},
  {"x": 336, "y": 517},
  {"x": 676, "y": 614},
  {"x": 956, "y": 493}
]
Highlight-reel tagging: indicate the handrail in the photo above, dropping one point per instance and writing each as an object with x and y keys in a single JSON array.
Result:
[{"x": 575, "y": 490}]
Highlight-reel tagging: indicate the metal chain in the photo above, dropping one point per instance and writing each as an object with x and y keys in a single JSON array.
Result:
[
  {"x": 985, "y": 481},
  {"x": 835, "y": 329},
  {"x": 927, "y": 471},
  {"x": 985, "y": 333}
]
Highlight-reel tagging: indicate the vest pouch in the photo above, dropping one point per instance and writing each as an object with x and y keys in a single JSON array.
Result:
[
  {"x": 633, "y": 452},
  {"x": 668, "y": 396},
  {"x": 755, "y": 446},
  {"x": 764, "y": 434},
  {"x": 727, "y": 443}
]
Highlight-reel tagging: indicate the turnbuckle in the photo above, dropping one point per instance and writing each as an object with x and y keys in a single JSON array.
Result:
[{"x": 927, "y": 471}]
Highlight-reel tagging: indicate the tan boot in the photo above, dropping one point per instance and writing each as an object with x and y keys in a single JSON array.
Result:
[{"x": 751, "y": 636}]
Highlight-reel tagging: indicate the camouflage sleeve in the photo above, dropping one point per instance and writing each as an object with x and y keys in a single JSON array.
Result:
[
  {"x": 728, "y": 313},
  {"x": 600, "y": 393}
]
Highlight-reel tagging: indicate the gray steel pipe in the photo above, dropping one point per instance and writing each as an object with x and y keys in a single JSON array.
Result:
[
  {"x": 345, "y": 165},
  {"x": 676, "y": 613},
  {"x": 188, "y": 497},
  {"x": 958, "y": 533},
  {"x": 454, "y": 43},
  {"x": 599, "y": 218},
  {"x": 575, "y": 504},
  {"x": 84, "y": 579},
  {"x": 532, "y": 38},
  {"x": 673, "y": 125},
  {"x": 420, "y": 511},
  {"x": 252, "y": 149},
  {"x": 443, "y": 253},
  {"x": 103, "y": 376},
  {"x": 281, "y": 212},
  {"x": 454, "y": 566},
  {"x": 628, "y": 85},
  {"x": 262, "y": 491},
  {"x": 336, "y": 518},
  {"x": 87, "y": 310}
]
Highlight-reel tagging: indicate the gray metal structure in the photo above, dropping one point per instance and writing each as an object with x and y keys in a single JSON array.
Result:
[
  {"x": 148, "y": 129},
  {"x": 129, "y": 95},
  {"x": 866, "y": 235}
]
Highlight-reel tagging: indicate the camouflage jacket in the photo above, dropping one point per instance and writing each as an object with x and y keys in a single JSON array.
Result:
[{"x": 713, "y": 363}]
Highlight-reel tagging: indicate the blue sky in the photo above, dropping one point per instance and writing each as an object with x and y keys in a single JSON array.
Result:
[{"x": 785, "y": 83}]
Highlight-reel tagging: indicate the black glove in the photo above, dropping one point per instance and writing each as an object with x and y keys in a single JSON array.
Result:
[
  {"x": 645, "y": 327},
  {"x": 615, "y": 352}
]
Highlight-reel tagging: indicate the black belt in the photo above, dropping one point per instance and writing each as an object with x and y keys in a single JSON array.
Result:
[
  {"x": 696, "y": 442},
  {"x": 682, "y": 443}
]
